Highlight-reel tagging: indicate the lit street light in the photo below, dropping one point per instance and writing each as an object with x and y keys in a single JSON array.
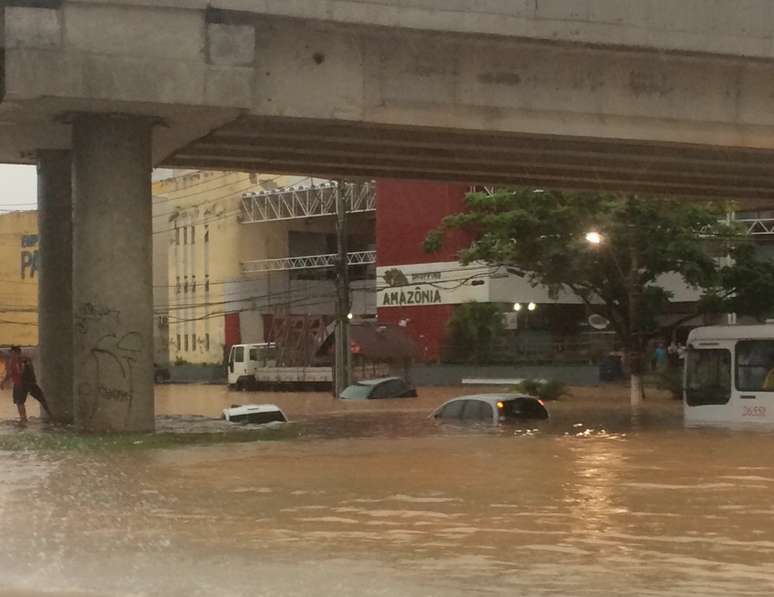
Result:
[
  {"x": 595, "y": 238},
  {"x": 517, "y": 307},
  {"x": 531, "y": 307}
]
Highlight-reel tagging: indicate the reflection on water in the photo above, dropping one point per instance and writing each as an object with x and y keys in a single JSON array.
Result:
[{"x": 375, "y": 499}]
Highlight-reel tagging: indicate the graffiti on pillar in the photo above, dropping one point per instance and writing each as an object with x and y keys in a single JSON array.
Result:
[
  {"x": 89, "y": 313},
  {"x": 110, "y": 361},
  {"x": 30, "y": 258}
]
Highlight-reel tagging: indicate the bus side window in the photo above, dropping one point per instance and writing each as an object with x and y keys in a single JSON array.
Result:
[{"x": 755, "y": 365}]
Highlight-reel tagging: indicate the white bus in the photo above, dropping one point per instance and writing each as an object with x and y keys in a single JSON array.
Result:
[{"x": 729, "y": 374}]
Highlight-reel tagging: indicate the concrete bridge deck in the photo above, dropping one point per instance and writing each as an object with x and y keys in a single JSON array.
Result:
[{"x": 646, "y": 95}]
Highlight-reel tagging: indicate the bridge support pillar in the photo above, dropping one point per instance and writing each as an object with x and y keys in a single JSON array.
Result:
[
  {"x": 55, "y": 284},
  {"x": 112, "y": 273}
]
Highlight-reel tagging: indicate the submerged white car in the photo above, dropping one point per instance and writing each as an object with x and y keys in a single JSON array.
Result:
[{"x": 256, "y": 414}]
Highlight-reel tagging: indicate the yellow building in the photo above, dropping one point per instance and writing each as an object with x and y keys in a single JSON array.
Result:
[
  {"x": 197, "y": 230},
  {"x": 211, "y": 297},
  {"x": 19, "y": 278}
]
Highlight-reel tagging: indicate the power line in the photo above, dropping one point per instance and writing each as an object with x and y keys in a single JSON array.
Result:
[
  {"x": 222, "y": 216},
  {"x": 262, "y": 275},
  {"x": 205, "y": 202},
  {"x": 474, "y": 273},
  {"x": 167, "y": 198},
  {"x": 236, "y": 281},
  {"x": 299, "y": 302},
  {"x": 457, "y": 283}
]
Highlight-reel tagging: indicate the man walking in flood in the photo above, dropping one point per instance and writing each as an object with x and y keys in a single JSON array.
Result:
[{"x": 19, "y": 370}]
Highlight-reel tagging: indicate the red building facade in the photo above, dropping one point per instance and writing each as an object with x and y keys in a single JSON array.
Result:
[{"x": 406, "y": 212}]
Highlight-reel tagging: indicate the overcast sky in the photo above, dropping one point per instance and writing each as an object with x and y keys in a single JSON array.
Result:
[{"x": 18, "y": 188}]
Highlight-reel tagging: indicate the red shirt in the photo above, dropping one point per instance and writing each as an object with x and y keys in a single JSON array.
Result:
[{"x": 15, "y": 370}]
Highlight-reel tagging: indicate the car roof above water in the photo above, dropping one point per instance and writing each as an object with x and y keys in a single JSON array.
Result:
[
  {"x": 254, "y": 408},
  {"x": 375, "y": 382},
  {"x": 491, "y": 397}
]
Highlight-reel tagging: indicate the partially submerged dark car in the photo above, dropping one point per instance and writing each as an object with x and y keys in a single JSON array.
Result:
[{"x": 378, "y": 389}]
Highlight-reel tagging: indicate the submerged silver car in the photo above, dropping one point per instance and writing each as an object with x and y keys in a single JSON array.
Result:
[{"x": 491, "y": 408}]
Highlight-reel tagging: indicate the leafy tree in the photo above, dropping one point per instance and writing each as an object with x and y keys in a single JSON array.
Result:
[
  {"x": 475, "y": 329},
  {"x": 545, "y": 234}
]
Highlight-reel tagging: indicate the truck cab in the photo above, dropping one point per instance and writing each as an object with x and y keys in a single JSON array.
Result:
[{"x": 244, "y": 361}]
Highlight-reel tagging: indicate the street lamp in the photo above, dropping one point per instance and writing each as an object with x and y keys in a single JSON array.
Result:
[
  {"x": 593, "y": 237},
  {"x": 350, "y": 316},
  {"x": 517, "y": 307},
  {"x": 531, "y": 307}
]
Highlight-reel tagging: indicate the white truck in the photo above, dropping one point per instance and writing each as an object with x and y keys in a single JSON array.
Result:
[{"x": 254, "y": 367}]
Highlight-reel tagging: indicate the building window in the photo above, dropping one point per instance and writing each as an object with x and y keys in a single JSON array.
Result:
[
  {"x": 185, "y": 235},
  {"x": 185, "y": 285},
  {"x": 206, "y": 282},
  {"x": 177, "y": 235},
  {"x": 186, "y": 342},
  {"x": 193, "y": 283},
  {"x": 193, "y": 235},
  {"x": 207, "y": 341},
  {"x": 177, "y": 289},
  {"x": 178, "y": 341},
  {"x": 206, "y": 233}
]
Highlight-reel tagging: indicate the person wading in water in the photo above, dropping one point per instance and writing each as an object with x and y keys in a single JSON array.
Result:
[{"x": 20, "y": 371}]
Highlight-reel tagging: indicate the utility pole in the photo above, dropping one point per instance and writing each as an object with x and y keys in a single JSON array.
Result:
[{"x": 342, "y": 362}]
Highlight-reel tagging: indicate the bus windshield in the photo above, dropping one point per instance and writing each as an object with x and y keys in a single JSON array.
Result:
[{"x": 708, "y": 377}]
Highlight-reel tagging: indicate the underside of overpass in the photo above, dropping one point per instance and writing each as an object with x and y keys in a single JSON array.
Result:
[
  {"x": 573, "y": 97},
  {"x": 330, "y": 149},
  {"x": 520, "y": 93}
]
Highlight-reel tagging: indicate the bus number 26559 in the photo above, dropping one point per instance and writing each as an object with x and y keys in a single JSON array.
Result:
[{"x": 754, "y": 411}]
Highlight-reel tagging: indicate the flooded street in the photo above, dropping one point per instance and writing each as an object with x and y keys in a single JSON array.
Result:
[{"x": 375, "y": 499}]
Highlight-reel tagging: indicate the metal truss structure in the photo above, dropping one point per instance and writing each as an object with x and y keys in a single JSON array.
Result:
[
  {"x": 488, "y": 189},
  {"x": 313, "y": 201},
  {"x": 756, "y": 226},
  {"x": 306, "y": 262}
]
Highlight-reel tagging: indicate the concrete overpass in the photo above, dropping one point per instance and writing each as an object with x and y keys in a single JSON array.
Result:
[{"x": 641, "y": 95}]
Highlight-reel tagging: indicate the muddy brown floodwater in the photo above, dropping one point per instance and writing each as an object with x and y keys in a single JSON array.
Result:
[{"x": 375, "y": 499}]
